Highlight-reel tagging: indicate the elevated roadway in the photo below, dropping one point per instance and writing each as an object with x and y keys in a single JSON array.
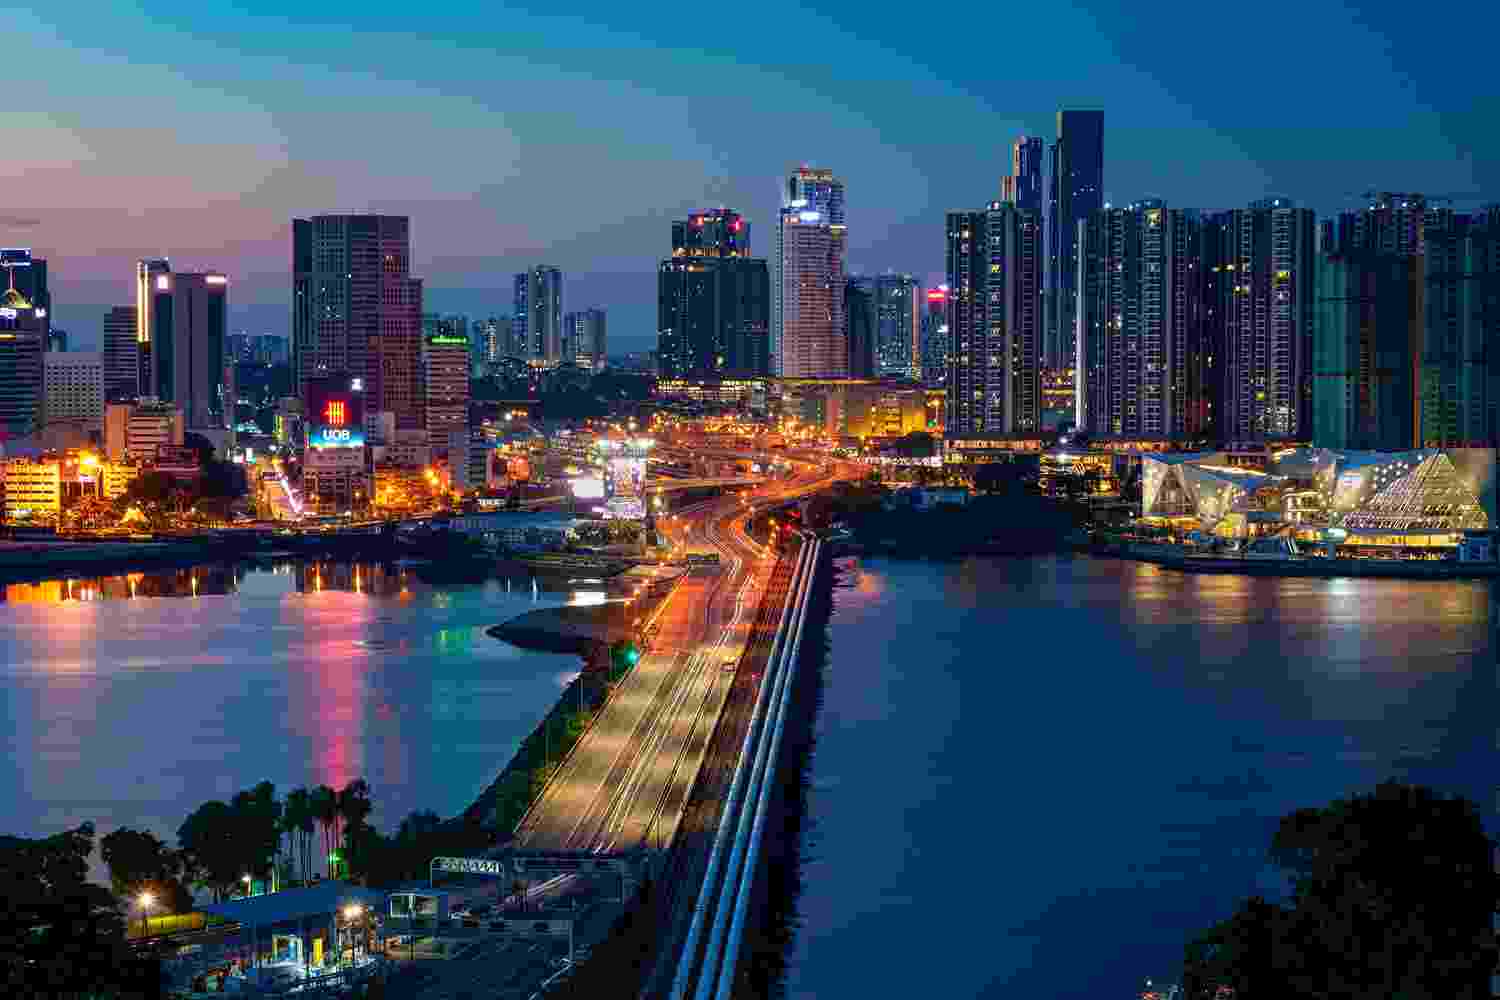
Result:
[{"x": 626, "y": 782}]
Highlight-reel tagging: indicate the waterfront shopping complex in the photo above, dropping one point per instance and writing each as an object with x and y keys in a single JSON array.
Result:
[{"x": 1363, "y": 502}]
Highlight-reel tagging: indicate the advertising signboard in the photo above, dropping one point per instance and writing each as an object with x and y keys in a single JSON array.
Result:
[{"x": 335, "y": 417}]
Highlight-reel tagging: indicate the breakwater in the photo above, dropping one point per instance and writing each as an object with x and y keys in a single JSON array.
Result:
[{"x": 1188, "y": 561}]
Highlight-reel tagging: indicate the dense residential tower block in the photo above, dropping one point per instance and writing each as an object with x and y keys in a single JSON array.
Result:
[
  {"x": 935, "y": 338},
  {"x": 1261, "y": 289},
  {"x": 1073, "y": 190},
  {"x": 1460, "y": 374},
  {"x": 584, "y": 337},
  {"x": 357, "y": 311},
  {"x": 537, "y": 324},
  {"x": 1366, "y": 335},
  {"x": 994, "y": 265},
  {"x": 808, "y": 336},
  {"x": 1142, "y": 345}
]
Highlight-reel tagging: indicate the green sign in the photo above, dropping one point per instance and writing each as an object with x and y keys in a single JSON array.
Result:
[{"x": 443, "y": 338}]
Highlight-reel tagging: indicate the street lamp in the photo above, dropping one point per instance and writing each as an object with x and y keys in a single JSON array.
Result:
[
  {"x": 247, "y": 880},
  {"x": 145, "y": 899}
]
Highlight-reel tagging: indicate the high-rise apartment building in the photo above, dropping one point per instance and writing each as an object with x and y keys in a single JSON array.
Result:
[
  {"x": 357, "y": 311},
  {"x": 1023, "y": 186},
  {"x": 1390, "y": 223},
  {"x": 445, "y": 381},
  {"x": 1366, "y": 335},
  {"x": 584, "y": 335},
  {"x": 120, "y": 355},
  {"x": 24, "y": 325},
  {"x": 538, "y": 317},
  {"x": 860, "y": 325},
  {"x": 994, "y": 268},
  {"x": 713, "y": 300},
  {"x": 935, "y": 338},
  {"x": 1074, "y": 190},
  {"x": 74, "y": 386},
  {"x": 808, "y": 337},
  {"x": 1460, "y": 374},
  {"x": 1142, "y": 345},
  {"x": 898, "y": 326},
  {"x": 1261, "y": 287}
]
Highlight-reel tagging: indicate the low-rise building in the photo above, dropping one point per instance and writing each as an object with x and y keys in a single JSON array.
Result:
[{"x": 136, "y": 430}]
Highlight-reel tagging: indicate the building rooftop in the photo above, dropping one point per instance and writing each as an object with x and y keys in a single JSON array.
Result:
[{"x": 293, "y": 904}]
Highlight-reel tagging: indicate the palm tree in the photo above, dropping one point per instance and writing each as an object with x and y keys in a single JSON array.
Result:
[
  {"x": 294, "y": 817},
  {"x": 324, "y": 805}
]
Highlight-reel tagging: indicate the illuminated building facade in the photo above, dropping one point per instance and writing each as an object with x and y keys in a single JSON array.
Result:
[
  {"x": 137, "y": 430},
  {"x": 935, "y": 338},
  {"x": 713, "y": 301},
  {"x": 1370, "y": 500},
  {"x": 24, "y": 326},
  {"x": 898, "y": 326},
  {"x": 994, "y": 260},
  {"x": 1074, "y": 191},
  {"x": 1141, "y": 336},
  {"x": 357, "y": 311},
  {"x": 584, "y": 338},
  {"x": 334, "y": 468},
  {"x": 1262, "y": 289},
  {"x": 181, "y": 355},
  {"x": 537, "y": 323},
  {"x": 40, "y": 489},
  {"x": 445, "y": 383},
  {"x": 808, "y": 335}
]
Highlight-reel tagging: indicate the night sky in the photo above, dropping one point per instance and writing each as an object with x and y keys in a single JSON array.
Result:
[{"x": 516, "y": 137}]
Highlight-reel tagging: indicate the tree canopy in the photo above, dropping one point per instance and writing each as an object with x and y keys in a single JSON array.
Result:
[{"x": 1394, "y": 895}]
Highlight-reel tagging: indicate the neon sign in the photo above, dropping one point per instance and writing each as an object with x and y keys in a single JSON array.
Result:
[
  {"x": 443, "y": 338},
  {"x": 335, "y": 414}
]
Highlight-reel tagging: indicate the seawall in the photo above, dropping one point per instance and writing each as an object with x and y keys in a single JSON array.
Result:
[{"x": 1178, "y": 558}]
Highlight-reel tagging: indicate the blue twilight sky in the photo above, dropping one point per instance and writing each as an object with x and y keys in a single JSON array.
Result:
[{"x": 516, "y": 135}]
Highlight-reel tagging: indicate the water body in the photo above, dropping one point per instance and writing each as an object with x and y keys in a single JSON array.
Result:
[
  {"x": 130, "y": 700},
  {"x": 1040, "y": 777}
]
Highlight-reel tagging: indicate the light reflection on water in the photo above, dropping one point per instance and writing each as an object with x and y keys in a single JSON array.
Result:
[
  {"x": 132, "y": 699},
  {"x": 1055, "y": 769}
]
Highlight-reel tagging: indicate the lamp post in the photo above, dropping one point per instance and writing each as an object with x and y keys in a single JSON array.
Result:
[
  {"x": 247, "y": 880},
  {"x": 145, "y": 899},
  {"x": 352, "y": 913}
]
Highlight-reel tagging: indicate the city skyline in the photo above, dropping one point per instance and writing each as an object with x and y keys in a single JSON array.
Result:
[{"x": 217, "y": 186}]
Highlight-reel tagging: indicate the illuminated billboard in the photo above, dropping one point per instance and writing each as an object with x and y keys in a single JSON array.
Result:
[
  {"x": 627, "y": 476},
  {"x": 335, "y": 417},
  {"x": 588, "y": 488}
]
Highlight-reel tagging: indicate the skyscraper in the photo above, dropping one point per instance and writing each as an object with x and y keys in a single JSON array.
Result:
[
  {"x": 713, "y": 300},
  {"x": 23, "y": 341},
  {"x": 859, "y": 324},
  {"x": 121, "y": 368},
  {"x": 994, "y": 267},
  {"x": 1366, "y": 332},
  {"x": 1076, "y": 186},
  {"x": 180, "y": 341},
  {"x": 1460, "y": 376},
  {"x": 935, "y": 338},
  {"x": 1023, "y": 186},
  {"x": 1140, "y": 335},
  {"x": 898, "y": 326},
  {"x": 1261, "y": 299},
  {"x": 1390, "y": 222},
  {"x": 445, "y": 382},
  {"x": 808, "y": 338},
  {"x": 584, "y": 333},
  {"x": 538, "y": 317},
  {"x": 357, "y": 311}
]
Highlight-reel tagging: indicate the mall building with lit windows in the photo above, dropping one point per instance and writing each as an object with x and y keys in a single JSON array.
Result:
[{"x": 1366, "y": 502}]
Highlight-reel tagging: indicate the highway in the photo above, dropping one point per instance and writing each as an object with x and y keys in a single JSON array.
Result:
[{"x": 627, "y": 781}]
